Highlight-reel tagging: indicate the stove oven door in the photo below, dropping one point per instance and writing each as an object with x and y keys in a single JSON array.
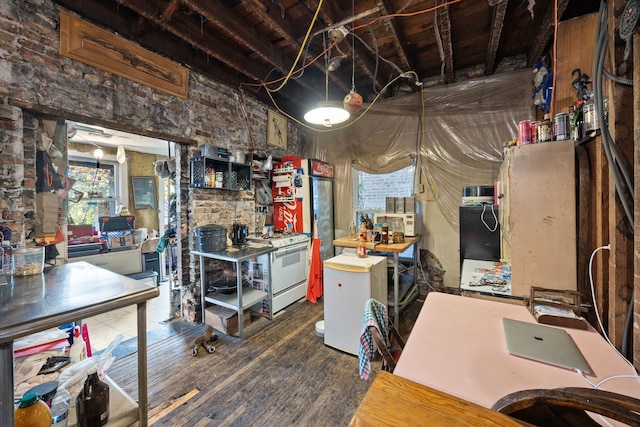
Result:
[{"x": 289, "y": 267}]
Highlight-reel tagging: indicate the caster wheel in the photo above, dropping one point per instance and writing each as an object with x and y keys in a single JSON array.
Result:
[
  {"x": 210, "y": 349},
  {"x": 194, "y": 352}
]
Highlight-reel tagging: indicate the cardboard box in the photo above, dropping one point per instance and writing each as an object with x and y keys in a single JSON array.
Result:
[
  {"x": 224, "y": 319},
  {"x": 120, "y": 242}
]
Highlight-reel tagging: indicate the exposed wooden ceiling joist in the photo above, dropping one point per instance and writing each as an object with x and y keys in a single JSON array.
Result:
[
  {"x": 497, "y": 22},
  {"x": 545, "y": 32},
  {"x": 446, "y": 45}
]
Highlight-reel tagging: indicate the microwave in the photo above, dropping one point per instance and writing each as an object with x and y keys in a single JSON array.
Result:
[{"x": 410, "y": 221}]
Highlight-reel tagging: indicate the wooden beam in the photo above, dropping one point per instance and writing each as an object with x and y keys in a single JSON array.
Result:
[
  {"x": 545, "y": 32},
  {"x": 223, "y": 18},
  {"x": 131, "y": 25},
  {"x": 636, "y": 168},
  {"x": 444, "y": 30},
  {"x": 287, "y": 30},
  {"x": 393, "y": 29},
  {"x": 497, "y": 22}
]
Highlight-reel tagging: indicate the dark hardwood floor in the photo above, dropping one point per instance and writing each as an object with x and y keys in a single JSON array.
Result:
[{"x": 282, "y": 374}]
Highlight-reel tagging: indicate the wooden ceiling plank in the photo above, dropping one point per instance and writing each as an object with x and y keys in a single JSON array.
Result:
[
  {"x": 286, "y": 29},
  {"x": 444, "y": 29},
  {"x": 225, "y": 20},
  {"x": 545, "y": 33},
  {"x": 497, "y": 22},
  {"x": 192, "y": 34}
]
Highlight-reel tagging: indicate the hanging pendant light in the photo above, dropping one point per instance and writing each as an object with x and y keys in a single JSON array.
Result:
[{"x": 327, "y": 113}]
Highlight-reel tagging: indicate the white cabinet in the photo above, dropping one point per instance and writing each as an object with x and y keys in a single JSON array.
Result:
[
  {"x": 123, "y": 262},
  {"x": 538, "y": 216},
  {"x": 348, "y": 283}
]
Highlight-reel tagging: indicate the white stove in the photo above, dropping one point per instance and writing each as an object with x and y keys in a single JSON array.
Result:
[{"x": 289, "y": 266}]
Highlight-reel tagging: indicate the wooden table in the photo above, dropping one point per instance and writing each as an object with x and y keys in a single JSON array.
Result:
[
  {"x": 396, "y": 249},
  {"x": 457, "y": 345},
  {"x": 395, "y": 401},
  {"x": 64, "y": 294}
]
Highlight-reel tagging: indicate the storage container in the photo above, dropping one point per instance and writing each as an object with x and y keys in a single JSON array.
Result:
[
  {"x": 27, "y": 261},
  {"x": 211, "y": 238}
]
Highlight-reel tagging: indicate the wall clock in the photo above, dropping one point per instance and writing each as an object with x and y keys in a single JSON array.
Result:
[{"x": 277, "y": 130}]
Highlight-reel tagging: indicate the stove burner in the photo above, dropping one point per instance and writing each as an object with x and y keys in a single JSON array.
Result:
[{"x": 280, "y": 240}]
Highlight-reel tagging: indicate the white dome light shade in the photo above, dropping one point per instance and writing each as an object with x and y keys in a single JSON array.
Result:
[{"x": 327, "y": 114}]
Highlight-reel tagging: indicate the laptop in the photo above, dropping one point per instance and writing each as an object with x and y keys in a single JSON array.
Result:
[{"x": 544, "y": 344}]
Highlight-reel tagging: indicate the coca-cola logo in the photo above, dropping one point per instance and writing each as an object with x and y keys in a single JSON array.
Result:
[{"x": 324, "y": 169}]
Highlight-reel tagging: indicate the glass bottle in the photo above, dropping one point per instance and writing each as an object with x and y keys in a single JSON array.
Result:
[
  {"x": 92, "y": 404},
  {"x": 352, "y": 230},
  {"x": 385, "y": 232},
  {"x": 398, "y": 230},
  {"x": 32, "y": 412}
]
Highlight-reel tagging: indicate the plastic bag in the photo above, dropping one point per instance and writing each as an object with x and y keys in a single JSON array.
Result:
[{"x": 72, "y": 378}]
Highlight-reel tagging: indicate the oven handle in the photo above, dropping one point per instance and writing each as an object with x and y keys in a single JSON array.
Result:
[{"x": 284, "y": 251}]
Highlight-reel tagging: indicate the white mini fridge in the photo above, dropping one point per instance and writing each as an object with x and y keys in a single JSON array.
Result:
[{"x": 349, "y": 281}]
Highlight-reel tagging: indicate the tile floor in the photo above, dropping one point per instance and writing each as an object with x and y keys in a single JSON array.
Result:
[{"x": 104, "y": 328}]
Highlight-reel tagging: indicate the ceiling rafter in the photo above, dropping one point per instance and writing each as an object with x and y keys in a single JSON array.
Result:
[
  {"x": 225, "y": 20},
  {"x": 286, "y": 30},
  {"x": 393, "y": 28},
  {"x": 545, "y": 33},
  {"x": 444, "y": 30},
  {"x": 497, "y": 22},
  {"x": 110, "y": 15}
]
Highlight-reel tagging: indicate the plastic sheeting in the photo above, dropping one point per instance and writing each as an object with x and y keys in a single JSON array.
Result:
[{"x": 465, "y": 128}]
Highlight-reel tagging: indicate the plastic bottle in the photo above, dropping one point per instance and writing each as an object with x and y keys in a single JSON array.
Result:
[
  {"x": 32, "y": 412},
  {"x": 60, "y": 408},
  {"x": 385, "y": 232},
  {"x": 92, "y": 404},
  {"x": 78, "y": 350},
  {"x": 362, "y": 248}
]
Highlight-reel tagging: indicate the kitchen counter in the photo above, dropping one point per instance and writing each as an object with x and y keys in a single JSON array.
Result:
[{"x": 63, "y": 294}]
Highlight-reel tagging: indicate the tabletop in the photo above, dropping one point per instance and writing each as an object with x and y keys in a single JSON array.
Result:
[
  {"x": 457, "y": 345},
  {"x": 235, "y": 254},
  {"x": 348, "y": 242},
  {"x": 395, "y": 401},
  {"x": 64, "y": 294}
]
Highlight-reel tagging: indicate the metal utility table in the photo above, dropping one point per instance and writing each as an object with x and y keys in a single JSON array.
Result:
[
  {"x": 64, "y": 294},
  {"x": 396, "y": 249},
  {"x": 245, "y": 298}
]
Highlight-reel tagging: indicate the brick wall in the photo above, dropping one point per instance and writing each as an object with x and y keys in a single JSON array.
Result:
[{"x": 34, "y": 73}]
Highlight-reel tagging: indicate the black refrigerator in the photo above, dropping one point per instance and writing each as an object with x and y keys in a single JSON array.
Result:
[{"x": 479, "y": 233}]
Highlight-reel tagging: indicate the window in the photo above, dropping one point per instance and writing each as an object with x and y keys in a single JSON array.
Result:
[
  {"x": 98, "y": 186},
  {"x": 373, "y": 189}
]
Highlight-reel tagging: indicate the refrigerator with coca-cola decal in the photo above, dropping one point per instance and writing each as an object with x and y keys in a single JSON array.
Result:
[{"x": 303, "y": 190}]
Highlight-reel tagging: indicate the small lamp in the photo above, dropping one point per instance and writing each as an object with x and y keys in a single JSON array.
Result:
[{"x": 267, "y": 165}]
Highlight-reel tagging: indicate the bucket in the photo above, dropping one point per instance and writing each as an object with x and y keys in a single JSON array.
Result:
[{"x": 239, "y": 155}]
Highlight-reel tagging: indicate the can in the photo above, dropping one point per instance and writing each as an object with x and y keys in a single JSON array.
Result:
[
  {"x": 524, "y": 132},
  {"x": 534, "y": 131},
  {"x": 561, "y": 127},
  {"x": 544, "y": 132}
]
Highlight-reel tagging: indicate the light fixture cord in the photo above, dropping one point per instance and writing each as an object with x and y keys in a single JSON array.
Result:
[
  {"x": 326, "y": 68},
  {"x": 353, "y": 49}
]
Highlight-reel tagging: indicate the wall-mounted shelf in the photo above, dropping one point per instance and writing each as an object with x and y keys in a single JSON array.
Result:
[{"x": 207, "y": 172}]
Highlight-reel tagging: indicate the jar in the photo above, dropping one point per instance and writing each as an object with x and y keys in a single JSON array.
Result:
[
  {"x": 32, "y": 412},
  {"x": 27, "y": 261},
  {"x": 544, "y": 131}
]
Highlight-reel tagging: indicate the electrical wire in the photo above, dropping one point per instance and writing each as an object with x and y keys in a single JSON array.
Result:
[
  {"x": 495, "y": 218},
  {"x": 614, "y": 160}
]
